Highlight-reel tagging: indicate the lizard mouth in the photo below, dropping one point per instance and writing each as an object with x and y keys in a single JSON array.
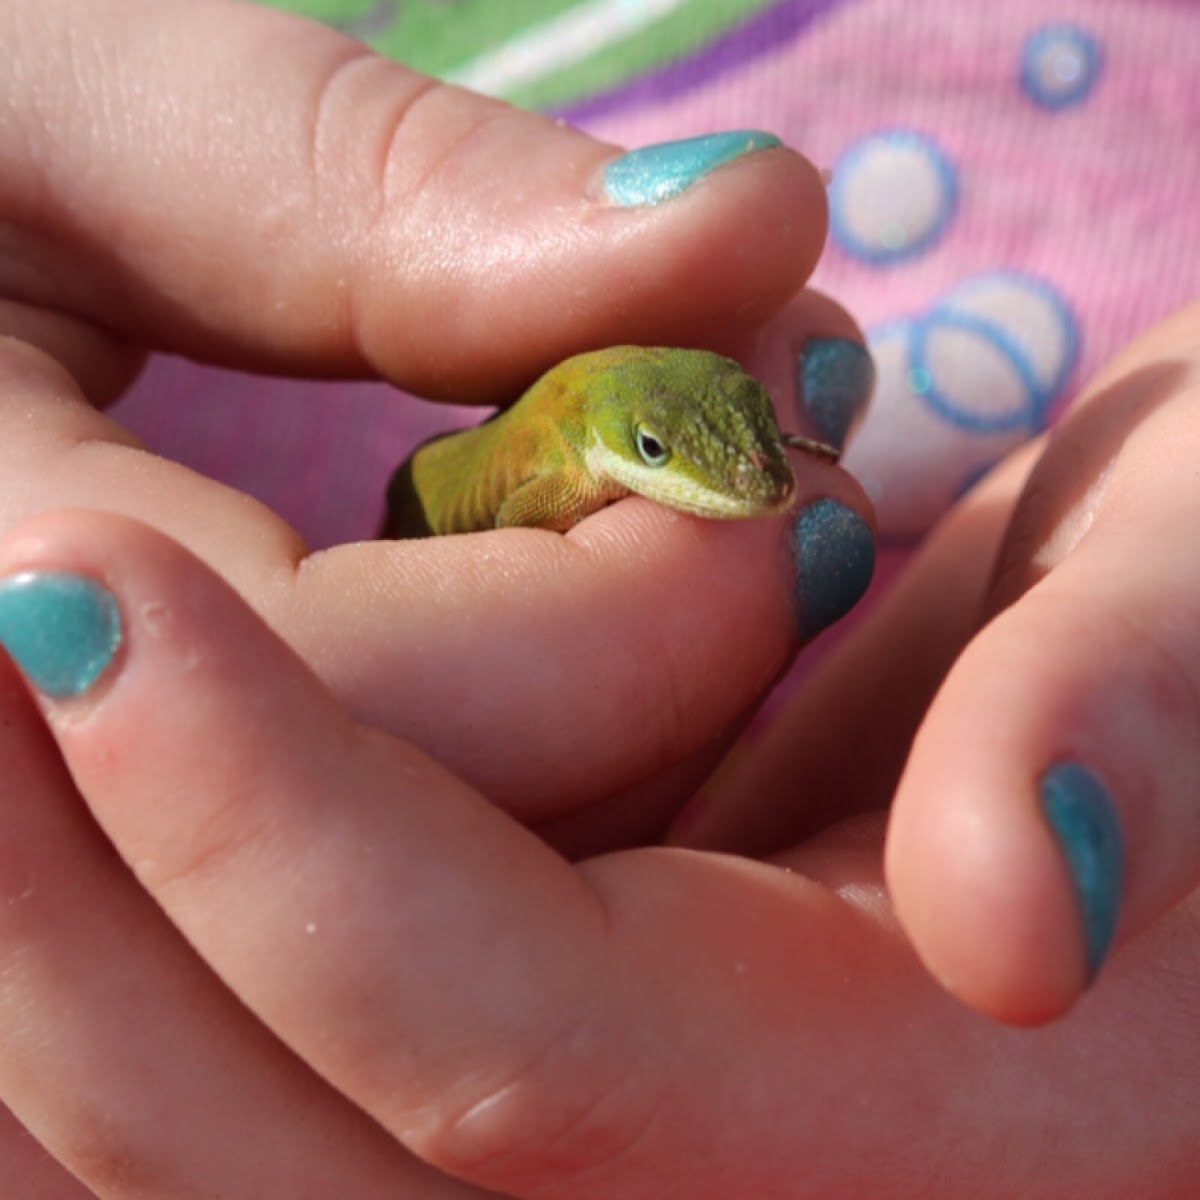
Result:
[{"x": 740, "y": 501}]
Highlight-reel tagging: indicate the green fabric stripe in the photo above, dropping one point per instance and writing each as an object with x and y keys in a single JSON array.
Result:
[{"x": 440, "y": 36}]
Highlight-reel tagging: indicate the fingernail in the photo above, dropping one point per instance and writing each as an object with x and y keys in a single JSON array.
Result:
[
  {"x": 834, "y": 381},
  {"x": 1084, "y": 821},
  {"x": 652, "y": 174},
  {"x": 61, "y": 630},
  {"x": 834, "y": 552}
]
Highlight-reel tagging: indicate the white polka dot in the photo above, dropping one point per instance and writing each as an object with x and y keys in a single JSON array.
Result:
[{"x": 892, "y": 195}]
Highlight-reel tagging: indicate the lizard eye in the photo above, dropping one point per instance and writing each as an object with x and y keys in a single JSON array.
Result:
[{"x": 652, "y": 450}]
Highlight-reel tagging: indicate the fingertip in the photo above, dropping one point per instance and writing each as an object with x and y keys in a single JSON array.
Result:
[
  {"x": 89, "y": 599},
  {"x": 651, "y": 175},
  {"x": 63, "y": 629},
  {"x": 1083, "y": 819},
  {"x": 834, "y": 554},
  {"x": 1000, "y": 852},
  {"x": 813, "y": 358},
  {"x": 980, "y": 891}
]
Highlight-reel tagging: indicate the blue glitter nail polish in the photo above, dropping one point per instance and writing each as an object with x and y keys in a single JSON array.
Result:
[
  {"x": 61, "y": 630},
  {"x": 834, "y": 552},
  {"x": 834, "y": 381},
  {"x": 1084, "y": 821},
  {"x": 653, "y": 174}
]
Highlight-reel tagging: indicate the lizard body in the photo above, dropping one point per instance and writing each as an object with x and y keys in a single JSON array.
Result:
[{"x": 687, "y": 428}]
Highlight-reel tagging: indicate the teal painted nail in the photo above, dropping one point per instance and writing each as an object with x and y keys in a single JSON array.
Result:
[
  {"x": 656, "y": 173},
  {"x": 834, "y": 552},
  {"x": 1084, "y": 821},
  {"x": 834, "y": 381},
  {"x": 61, "y": 630}
]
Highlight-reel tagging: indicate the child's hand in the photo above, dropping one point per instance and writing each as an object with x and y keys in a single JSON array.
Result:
[
  {"x": 316, "y": 952},
  {"x": 226, "y": 182},
  {"x": 1047, "y": 644}
]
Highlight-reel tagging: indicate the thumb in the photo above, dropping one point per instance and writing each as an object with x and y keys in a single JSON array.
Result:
[{"x": 232, "y": 183}]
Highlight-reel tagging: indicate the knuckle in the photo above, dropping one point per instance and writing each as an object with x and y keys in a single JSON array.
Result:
[
  {"x": 675, "y": 709},
  {"x": 235, "y": 835},
  {"x": 571, "y": 1114},
  {"x": 103, "y": 1148},
  {"x": 379, "y": 131},
  {"x": 391, "y": 154}
]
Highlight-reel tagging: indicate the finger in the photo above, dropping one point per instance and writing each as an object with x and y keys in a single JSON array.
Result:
[
  {"x": 570, "y": 1034},
  {"x": 1066, "y": 734},
  {"x": 300, "y": 816},
  {"x": 108, "y": 1021},
  {"x": 633, "y": 642},
  {"x": 353, "y": 216},
  {"x": 609, "y": 638},
  {"x": 103, "y": 365},
  {"x": 838, "y": 744},
  {"x": 812, "y": 358},
  {"x": 27, "y": 1170},
  {"x": 639, "y": 815}
]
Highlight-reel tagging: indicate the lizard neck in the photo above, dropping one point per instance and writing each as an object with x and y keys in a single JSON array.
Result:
[{"x": 464, "y": 478}]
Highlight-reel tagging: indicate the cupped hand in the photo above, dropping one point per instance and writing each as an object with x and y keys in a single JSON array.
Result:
[
  {"x": 230, "y": 183},
  {"x": 318, "y": 964},
  {"x": 1026, "y": 701}
]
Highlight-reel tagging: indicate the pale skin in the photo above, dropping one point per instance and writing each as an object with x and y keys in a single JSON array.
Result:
[{"x": 319, "y": 1020}]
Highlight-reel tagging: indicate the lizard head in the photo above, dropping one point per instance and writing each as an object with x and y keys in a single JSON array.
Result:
[{"x": 687, "y": 428}]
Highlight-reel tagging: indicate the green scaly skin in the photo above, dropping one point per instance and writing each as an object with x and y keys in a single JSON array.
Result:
[{"x": 684, "y": 427}]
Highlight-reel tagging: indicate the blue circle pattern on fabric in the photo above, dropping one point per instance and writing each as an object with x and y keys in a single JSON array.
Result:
[
  {"x": 1060, "y": 65},
  {"x": 892, "y": 196},
  {"x": 961, "y": 384},
  {"x": 1041, "y": 389}
]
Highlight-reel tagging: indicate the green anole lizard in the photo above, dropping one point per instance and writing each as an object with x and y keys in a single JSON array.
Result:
[{"x": 687, "y": 428}]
